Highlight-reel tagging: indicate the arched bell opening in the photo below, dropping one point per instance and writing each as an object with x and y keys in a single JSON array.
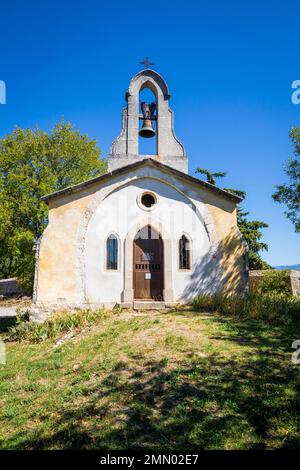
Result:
[{"x": 147, "y": 138}]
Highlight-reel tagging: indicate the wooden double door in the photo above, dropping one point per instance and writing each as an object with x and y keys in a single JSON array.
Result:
[{"x": 148, "y": 265}]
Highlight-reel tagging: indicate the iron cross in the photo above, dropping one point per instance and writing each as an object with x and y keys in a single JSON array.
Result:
[{"x": 146, "y": 62}]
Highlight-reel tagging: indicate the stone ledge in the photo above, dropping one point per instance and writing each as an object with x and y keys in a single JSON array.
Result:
[
  {"x": 256, "y": 275},
  {"x": 40, "y": 312},
  {"x": 148, "y": 305}
]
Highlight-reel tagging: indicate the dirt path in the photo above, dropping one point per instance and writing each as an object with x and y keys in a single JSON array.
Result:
[
  {"x": 8, "y": 307},
  {"x": 7, "y": 311}
]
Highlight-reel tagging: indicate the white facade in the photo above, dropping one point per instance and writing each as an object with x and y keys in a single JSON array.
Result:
[
  {"x": 91, "y": 253},
  {"x": 119, "y": 213}
]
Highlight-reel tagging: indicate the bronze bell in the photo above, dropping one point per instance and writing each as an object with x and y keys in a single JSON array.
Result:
[{"x": 147, "y": 129}]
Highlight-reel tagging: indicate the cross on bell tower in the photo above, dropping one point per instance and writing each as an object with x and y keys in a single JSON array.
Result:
[{"x": 147, "y": 63}]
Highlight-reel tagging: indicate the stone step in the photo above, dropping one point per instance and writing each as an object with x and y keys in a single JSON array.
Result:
[{"x": 148, "y": 305}]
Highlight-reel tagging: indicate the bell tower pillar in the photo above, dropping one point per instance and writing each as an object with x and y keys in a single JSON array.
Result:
[{"x": 125, "y": 149}]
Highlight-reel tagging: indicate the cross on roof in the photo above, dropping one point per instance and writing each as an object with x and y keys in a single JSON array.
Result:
[{"x": 146, "y": 62}]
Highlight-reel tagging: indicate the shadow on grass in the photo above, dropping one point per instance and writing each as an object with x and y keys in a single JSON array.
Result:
[
  {"x": 6, "y": 323},
  {"x": 249, "y": 402},
  {"x": 251, "y": 332}
]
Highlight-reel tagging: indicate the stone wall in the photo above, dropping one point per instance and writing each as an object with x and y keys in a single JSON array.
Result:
[
  {"x": 295, "y": 281},
  {"x": 255, "y": 277},
  {"x": 10, "y": 287}
]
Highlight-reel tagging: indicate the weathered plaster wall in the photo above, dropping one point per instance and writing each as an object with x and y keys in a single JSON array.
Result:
[
  {"x": 57, "y": 271},
  {"x": 72, "y": 259}
]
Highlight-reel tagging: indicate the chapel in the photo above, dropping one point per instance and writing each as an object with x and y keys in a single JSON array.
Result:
[{"x": 146, "y": 233}]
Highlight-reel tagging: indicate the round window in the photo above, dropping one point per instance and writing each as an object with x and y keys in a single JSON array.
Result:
[{"x": 148, "y": 200}]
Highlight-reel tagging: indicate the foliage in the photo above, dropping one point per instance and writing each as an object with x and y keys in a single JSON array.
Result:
[
  {"x": 275, "y": 282},
  {"x": 273, "y": 307},
  {"x": 170, "y": 380},
  {"x": 237, "y": 192},
  {"x": 34, "y": 163},
  {"x": 256, "y": 261},
  {"x": 55, "y": 325},
  {"x": 289, "y": 194},
  {"x": 250, "y": 229},
  {"x": 211, "y": 177}
]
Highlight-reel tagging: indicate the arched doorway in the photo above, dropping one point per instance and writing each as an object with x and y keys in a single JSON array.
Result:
[{"x": 148, "y": 278}]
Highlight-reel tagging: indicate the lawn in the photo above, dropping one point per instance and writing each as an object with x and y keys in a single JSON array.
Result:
[{"x": 172, "y": 380}]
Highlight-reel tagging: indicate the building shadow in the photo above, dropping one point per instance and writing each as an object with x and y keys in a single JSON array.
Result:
[
  {"x": 204, "y": 402},
  {"x": 223, "y": 270}
]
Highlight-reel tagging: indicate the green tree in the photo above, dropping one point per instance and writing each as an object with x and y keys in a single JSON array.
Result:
[
  {"x": 250, "y": 229},
  {"x": 211, "y": 177},
  {"x": 289, "y": 194},
  {"x": 34, "y": 163}
]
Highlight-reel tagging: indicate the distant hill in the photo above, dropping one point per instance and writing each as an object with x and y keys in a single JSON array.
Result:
[{"x": 292, "y": 266}]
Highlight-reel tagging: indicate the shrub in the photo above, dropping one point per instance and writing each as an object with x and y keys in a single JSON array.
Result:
[
  {"x": 56, "y": 324},
  {"x": 275, "y": 282},
  {"x": 272, "y": 308}
]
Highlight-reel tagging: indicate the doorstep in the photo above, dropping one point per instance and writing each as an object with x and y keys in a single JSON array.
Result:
[{"x": 148, "y": 305}]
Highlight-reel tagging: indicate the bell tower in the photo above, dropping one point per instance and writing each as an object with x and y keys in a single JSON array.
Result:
[{"x": 147, "y": 120}]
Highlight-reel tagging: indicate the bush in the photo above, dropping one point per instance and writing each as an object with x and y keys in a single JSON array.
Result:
[
  {"x": 275, "y": 282},
  {"x": 272, "y": 308},
  {"x": 58, "y": 323}
]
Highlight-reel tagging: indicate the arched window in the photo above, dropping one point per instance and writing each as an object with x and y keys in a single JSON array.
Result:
[
  {"x": 112, "y": 252},
  {"x": 184, "y": 253}
]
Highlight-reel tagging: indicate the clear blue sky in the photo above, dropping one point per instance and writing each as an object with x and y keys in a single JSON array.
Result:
[{"x": 229, "y": 66}]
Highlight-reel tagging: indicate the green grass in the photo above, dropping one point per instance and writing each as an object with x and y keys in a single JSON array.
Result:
[
  {"x": 60, "y": 322},
  {"x": 175, "y": 380},
  {"x": 273, "y": 308}
]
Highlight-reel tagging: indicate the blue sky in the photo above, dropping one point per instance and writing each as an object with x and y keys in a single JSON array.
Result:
[{"x": 229, "y": 66}]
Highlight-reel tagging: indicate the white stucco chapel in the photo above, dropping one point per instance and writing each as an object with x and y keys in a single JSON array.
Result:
[{"x": 146, "y": 231}]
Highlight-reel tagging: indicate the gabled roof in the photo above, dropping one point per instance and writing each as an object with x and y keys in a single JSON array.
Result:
[{"x": 139, "y": 164}]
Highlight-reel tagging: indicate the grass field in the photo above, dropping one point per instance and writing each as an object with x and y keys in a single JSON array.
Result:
[{"x": 175, "y": 380}]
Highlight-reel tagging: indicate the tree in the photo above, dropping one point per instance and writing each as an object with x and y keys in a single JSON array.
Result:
[
  {"x": 289, "y": 194},
  {"x": 34, "y": 163},
  {"x": 211, "y": 177},
  {"x": 250, "y": 229}
]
